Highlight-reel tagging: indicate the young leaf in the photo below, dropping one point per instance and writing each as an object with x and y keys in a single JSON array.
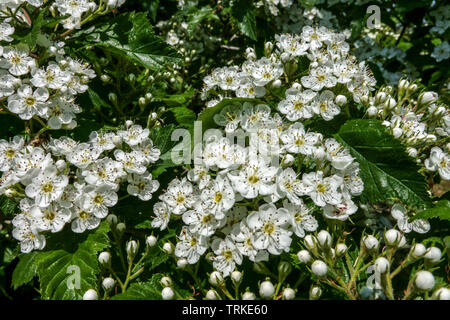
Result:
[
  {"x": 441, "y": 210},
  {"x": 25, "y": 270}
]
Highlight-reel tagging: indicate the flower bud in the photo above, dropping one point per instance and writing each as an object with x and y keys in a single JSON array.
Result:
[
  {"x": 433, "y": 255},
  {"x": 148, "y": 96},
  {"x": 248, "y": 296},
  {"x": 310, "y": 241},
  {"x": 370, "y": 243},
  {"x": 104, "y": 258},
  {"x": 112, "y": 97},
  {"x": 442, "y": 294},
  {"x": 111, "y": 219},
  {"x": 212, "y": 295},
  {"x": 424, "y": 280},
  {"x": 380, "y": 97},
  {"x": 403, "y": 84},
  {"x": 296, "y": 86},
  {"x": 284, "y": 57},
  {"x": 382, "y": 265},
  {"x": 60, "y": 165},
  {"x": 315, "y": 293},
  {"x": 236, "y": 276},
  {"x": 276, "y": 83},
  {"x": 105, "y": 78},
  {"x": 167, "y": 293},
  {"x": 284, "y": 269},
  {"x": 288, "y": 294},
  {"x": 304, "y": 256},
  {"x": 142, "y": 102},
  {"x": 151, "y": 241},
  {"x": 427, "y": 97},
  {"x": 412, "y": 152},
  {"x": 90, "y": 294},
  {"x": 266, "y": 290},
  {"x": 121, "y": 227},
  {"x": 340, "y": 100},
  {"x": 418, "y": 251},
  {"x": 168, "y": 247},
  {"x": 372, "y": 111},
  {"x": 324, "y": 239},
  {"x": 288, "y": 160},
  {"x": 397, "y": 132},
  {"x": 341, "y": 249},
  {"x": 166, "y": 282},
  {"x": 413, "y": 87},
  {"x": 268, "y": 47},
  {"x": 319, "y": 268},
  {"x": 132, "y": 248},
  {"x": 215, "y": 278},
  {"x": 182, "y": 263},
  {"x": 108, "y": 283},
  {"x": 394, "y": 238}
]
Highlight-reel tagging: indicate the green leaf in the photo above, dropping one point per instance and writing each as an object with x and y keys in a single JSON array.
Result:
[
  {"x": 7, "y": 205},
  {"x": 32, "y": 37},
  {"x": 385, "y": 167},
  {"x": 67, "y": 252},
  {"x": 184, "y": 116},
  {"x": 131, "y": 36},
  {"x": 161, "y": 137},
  {"x": 149, "y": 290},
  {"x": 441, "y": 210},
  {"x": 244, "y": 12},
  {"x": 25, "y": 270}
]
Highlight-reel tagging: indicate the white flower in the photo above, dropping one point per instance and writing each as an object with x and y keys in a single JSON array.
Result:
[
  {"x": 226, "y": 255},
  {"x": 162, "y": 215},
  {"x": 98, "y": 200},
  {"x": 149, "y": 151},
  {"x": 314, "y": 37},
  {"x": 297, "y": 104},
  {"x": 134, "y": 135},
  {"x": 399, "y": 213},
  {"x": 321, "y": 190},
  {"x": 27, "y": 103},
  {"x": 270, "y": 227},
  {"x": 179, "y": 196},
  {"x": 296, "y": 140},
  {"x": 253, "y": 179},
  {"x": 218, "y": 196},
  {"x": 9, "y": 151},
  {"x": 82, "y": 155},
  {"x": 439, "y": 161},
  {"x": 265, "y": 71},
  {"x": 133, "y": 162},
  {"x": 8, "y": 84},
  {"x": 5, "y": 31},
  {"x": 441, "y": 52},
  {"x": 190, "y": 246},
  {"x": 142, "y": 186},
  {"x": 243, "y": 238},
  {"x": 202, "y": 220},
  {"x": 340, "y": 211},
  {"x": 17, "y": 61},
  {"x": 27, "y": 234},
  {"x": 104, "y": 171},
  {"x": 53, "y": 77},
  {"x": 200, "y": 175},
  {"x": 324, "y": 105},
  {"x": 286, "y": 182},
  {"x": 52, "y": 218},
  {"x": 73, "y": 8},
  {"x": 46, "y": 187},
  {"x": 103, "y": 141},
  {"x": 339, "y": 156},
  {"x": 301, "y": 220},
  {"x": 319, "y": 78}
]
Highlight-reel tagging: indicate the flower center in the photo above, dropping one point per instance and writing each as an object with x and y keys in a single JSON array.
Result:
[
  {"x": 98, "y": 199},
  {"x": 228, "y": 254},
  {"x": 47, "y": 188},
  {"x": 321, "y": 188},
  {"x": 253, "y": 179},
  {"x": 218, "y": 197},
  {"x": 30, "y": 101},
  {"x": 10, "y": 153},
  {"x": 269, "y": 227}
]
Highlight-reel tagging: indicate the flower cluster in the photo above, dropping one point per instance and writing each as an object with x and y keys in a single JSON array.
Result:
[
  {"x": 330, "y": 70},
  {"x": 65, "y": 181},
  {"x": 226, "y": 192},
  {"x": 418, "y": 120}
]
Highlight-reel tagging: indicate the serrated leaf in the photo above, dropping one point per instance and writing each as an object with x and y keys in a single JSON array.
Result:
[
  {"x": 25, "y": 270},
  {"x": 66, "y": 253},
  {"x": 161, "y": 137},
  {"x": 441, "y": 210},
  {"x": 7, "y": 205},
  {"x": 32, "y": 37},
  {"x": 131, "y": 36},
  {"x": 149, "y": 290},
  {"x": 184, "y": 116},
  {"x": 385, "y": 167}
]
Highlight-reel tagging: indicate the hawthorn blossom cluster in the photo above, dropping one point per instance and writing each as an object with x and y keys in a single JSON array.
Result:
[
  {"x": 272, "y": 6},
  {"x": 68, "y": 182},
  {"x": 418, "y": 120},
  {"x": 330, "y": 69},
  {"x": 239, "y": 202},
  {"x": 46, "y": 91},
  {"x": 76, "y": 10}
]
